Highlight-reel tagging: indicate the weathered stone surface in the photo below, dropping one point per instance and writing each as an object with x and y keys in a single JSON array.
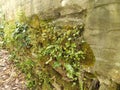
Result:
[
  {"x": 103, "y": 34},
  {"x": 102, "y": 29},
  {"x": 45, "y": 8}
]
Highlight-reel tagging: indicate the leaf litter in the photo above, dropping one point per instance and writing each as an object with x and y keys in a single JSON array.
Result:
[{"x": 10, "y": 77}]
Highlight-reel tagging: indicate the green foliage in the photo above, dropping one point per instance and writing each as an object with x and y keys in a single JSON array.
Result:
[
  {"x": 36, "y": 49},
  {"x": 20, "y": 36},
  {"x": 2, "y": 25},
  {"x": 63, "y": 50}
]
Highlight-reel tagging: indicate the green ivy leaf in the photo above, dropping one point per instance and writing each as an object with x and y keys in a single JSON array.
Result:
[
  {"x": 56, "y": 64},
  {"x": 69, "y": 69}
]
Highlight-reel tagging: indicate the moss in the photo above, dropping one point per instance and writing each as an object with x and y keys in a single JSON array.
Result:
[
  {"x": 34, "y": 21},
  {"x": 89, "y": 55}
]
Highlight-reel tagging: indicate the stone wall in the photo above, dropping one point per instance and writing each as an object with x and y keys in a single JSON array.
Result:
[
  {"x": 102, "y": 27},
  {"x": 45, "y": 8},
  {"x": 103, "y": 34},
  {"x": 10, "y": 7}
]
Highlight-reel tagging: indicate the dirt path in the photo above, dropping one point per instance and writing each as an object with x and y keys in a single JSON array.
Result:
[{"x": 10, "y": 77}]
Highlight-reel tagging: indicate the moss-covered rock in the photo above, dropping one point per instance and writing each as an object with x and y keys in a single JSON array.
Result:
[{"x": 50, "y": 56}]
